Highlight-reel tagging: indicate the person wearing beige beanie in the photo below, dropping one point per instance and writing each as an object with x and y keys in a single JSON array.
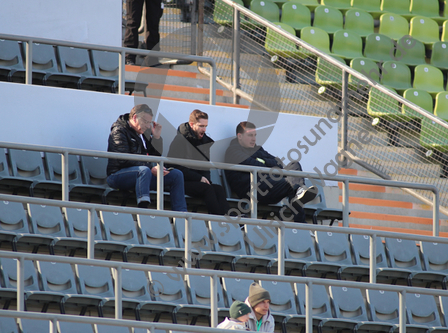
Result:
[{"x": 260, "y": 318}]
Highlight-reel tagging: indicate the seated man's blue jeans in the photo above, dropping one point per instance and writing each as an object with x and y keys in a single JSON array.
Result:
[{"x": 140, "y": 179}]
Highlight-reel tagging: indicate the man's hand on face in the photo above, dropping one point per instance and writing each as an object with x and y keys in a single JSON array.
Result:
[
  {"x": 154, "y": 171},
  {"x": 156, "y": 129}
]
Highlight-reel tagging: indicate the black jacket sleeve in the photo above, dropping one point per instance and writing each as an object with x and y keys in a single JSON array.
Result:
[{"x": 178, "y": 149}]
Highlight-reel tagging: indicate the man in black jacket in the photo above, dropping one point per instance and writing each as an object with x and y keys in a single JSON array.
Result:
[
  {"x": 136, "y": 133},
  {"x": 244, "y": 150},
  {"x": 192, "y": 143}
]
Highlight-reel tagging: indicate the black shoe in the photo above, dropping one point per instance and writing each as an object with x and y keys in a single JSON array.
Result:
[
  {"x": 303, "y": 196},
  {"x": 143, "y": 204},
  {"x": 130, "y": 62}
]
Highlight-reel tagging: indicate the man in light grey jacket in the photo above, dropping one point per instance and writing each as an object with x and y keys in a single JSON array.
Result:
[{"x": 260, "y": 318}]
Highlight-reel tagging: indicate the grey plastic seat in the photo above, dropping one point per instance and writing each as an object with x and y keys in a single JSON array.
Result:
[
  {"x": 111, "y": 329},
  {"x": 33, "y": 325},
  {"x": 235, "y": 289},
  {"x": 349, "y": 303},
  {"x": 282, "y": 297},
  {"x": 10, "y": 59},
  {"x": 77, "y": 61},
  {"x": 69, "y": 327},
  {"x": 378, "y": 47},
  {"x": 410, "y": 52},
  {"x": 318, "y": 207},
  {"x": 13, "y": 221},
  {"x": 120, "y": 234},
  {"x": 422, "y": 310},
  {"x": 94, "y": 174},
  {"x": 8, "y": 325},
  {"x": 435, "y": 259},
  {"x": 262, "y": 242},
  {"x": 170, "y": 289}
]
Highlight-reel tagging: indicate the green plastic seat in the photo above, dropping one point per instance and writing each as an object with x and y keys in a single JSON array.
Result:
[
  {"x": 410, "y": 51},
  {"x": 393, "y": 25},
  {"x": 328, "y": 74},
  {"x": 279, "y": 45},
  {"x": 444, "y": 37},
  {"x": 347, "y": 44},
  {"x": 342, "y": 5},
  {"x": 419, "y": 97},
  {"x": 428, "y": 8},
  {"x": 359, "y": 21},
  {"x": 383, "y": 106},
  {"x": 266, "y": 9},
  {"x": 434, "y": 136},
  {"x": 311, "y": 4},
  {"x": 328, "y": 18},
  {"x": 425, "y": 30},
  {"x": 428, "y": 78},
  {"x": 316, "y": 37},
  {"x": 378, "y": 47},
  {"x": 396, "y": 75},
  {"x": 371, "y": 6},
  {"x": 223, "y": 13},
  {"x": 439, "y": 55},
  {"x": 400, "y": 7},
  {"x": 296, "y": 15},
  {"x": 366, "y": 67}
]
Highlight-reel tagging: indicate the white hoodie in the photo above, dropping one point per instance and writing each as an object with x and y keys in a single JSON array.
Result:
[{"x": 232, "y": 324}]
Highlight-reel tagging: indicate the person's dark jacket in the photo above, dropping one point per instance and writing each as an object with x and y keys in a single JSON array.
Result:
[
  {"x": 187, "y": 145},
  {"x": 236, "y": 154},
  {"x": 123, "y": 139}
]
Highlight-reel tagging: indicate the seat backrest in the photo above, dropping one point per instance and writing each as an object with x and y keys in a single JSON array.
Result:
[
  {"x": 227, "y": 237},
  {"x": 236, "y": 289},
  {"x": 337, "y": 3},
  {"x": 261, "y": 240},
  {"x": 424, "y": 29},
  {"x": 403, "y": 253},
  {"x": 422, "y": 310},
  {"x": 10, "y": 55},
  {"x": 359, "y": 21},
  {"x": 69, "y": 327},
  {"x": 44, "y": 58},
  {"x": 74, "y": 60},
  {"x": 46, "y": 220},
  {"x": 200, "y": 238},
  {"x": 380, "y": 104},
  {"x": 119, "y": 227},
  {"x": 215, "y": 176},
  {"x": 168, "y": 288},
  {"x": 77, "y": 223},
  {"x": 156, "y": 230},
  {"x": 13, "y": 217},
  {"x": 366, "y": 67},
  {"x": 347, "y": 44},
  {"x": 394, "y": 26},
  {"x": 378, "y": 47},
  {"x": 296, "y": 15},
  {"x": 327, "y": 73},
  {"x": 266, "y": 9},
  {"x": 419, "y": 97},
  {"x": 348, "y": 303},
  {"x": 434, "y": 256},
  {"x": 328, "y": 18},
  {"x": 8, "y": 325},
  {"x": 279, "y": 45},
  {"x": 321, "y": 301},
  {"x": 223, "y": 13},
  {"x": 333, "y": 247},
  {"x": 429, "y": 8},
  {"x": 111, "y": 329},
  {"x": 282, "y": 296},
  {"x": 410, "y": 51},
  {"x": 94, "y": 170},
  {"x": 383, "y": 305},
  {"x": 441, "y": 106},
  {"x": 396, "y": 75},
  {"x": 94, "y": 280},
  {"x": 439, "y": 54},
  {"x": 33, "y": 325},
  {"x": 200, "y": 290},
  {"x": 135, "y": 285},
  {"x": 368, "y": 5},
  {"x": 395, "y": 6},
  {"x": 105, "y": 63},
  {"x": 54, "y": 168},
  {"x": 317, "y": 37},
  {"x": 57, "y": 277},
  {"x": 361, "y": 250},
  {"x": 26, "y": 163},
  {"x": 427, "y": 77},
  {"x": 9, "y": 274},
  {"x": 299, "y": 244}
]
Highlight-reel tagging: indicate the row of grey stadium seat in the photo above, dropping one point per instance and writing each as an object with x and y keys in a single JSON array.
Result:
[
  {"x": 66, "y": 67},
  {"x": 153, "y": 295},
  {"x": 220, "y": 245}
]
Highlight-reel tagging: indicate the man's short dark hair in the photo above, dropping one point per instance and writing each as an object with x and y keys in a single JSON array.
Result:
[
  {"x": 241, "y": 128},
  {"x": 195, "y": 115},
  {"x": 138, "y": 109}
]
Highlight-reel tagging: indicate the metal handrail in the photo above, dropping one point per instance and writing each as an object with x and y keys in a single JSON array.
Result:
[
  {"x": 178, "y": 273},
  {"x": 120, "y": 50}
]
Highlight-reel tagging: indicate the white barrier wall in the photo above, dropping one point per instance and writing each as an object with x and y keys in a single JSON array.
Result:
[
  {"x": 96, "y": 22},
  {"x": 82, "y": 119}
]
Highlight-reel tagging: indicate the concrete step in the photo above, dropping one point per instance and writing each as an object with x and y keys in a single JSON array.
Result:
[{"x": 416, "y": 168}]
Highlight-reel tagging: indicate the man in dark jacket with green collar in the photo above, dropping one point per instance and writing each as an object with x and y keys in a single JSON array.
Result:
[{"x": 192, "y": 143}]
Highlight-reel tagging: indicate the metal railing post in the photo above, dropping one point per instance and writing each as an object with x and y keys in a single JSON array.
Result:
[
  {"x": 372, "y": 263},
  {"x": 214, "y": 300},
  {"x": 91, "y": 234},
  {"x": 121, "y": 72},
  {"x": 281, "y": 250},
  {"x": 193, "y": 28},
  {"x": 29, "y": 62},
  {"x": 309, "y": 307},
  {"x": 213, "y": 85},
  {"x": 160, "y": 185},
  {"x": 345, "y": 204},
  {"x": 64, "y": 161},
  {"x": 118, "y": 292},
  {"x": 236, "y": 54},
  {"x": 253, "y": 194},
  {"x": 188, "y": 228},
  {"x": 20, "y": 284},
  {"x": 435, "y": 214},
  {"x": 53, "y": 326},
  {"x": 402, "y": 311},
  {"x": 344, "y": 109}
]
